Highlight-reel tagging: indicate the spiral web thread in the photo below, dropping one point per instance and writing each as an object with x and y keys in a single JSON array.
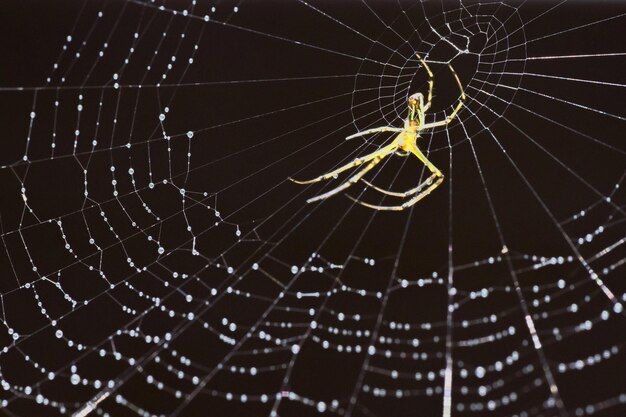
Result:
[{"x": 157, "y": 261}]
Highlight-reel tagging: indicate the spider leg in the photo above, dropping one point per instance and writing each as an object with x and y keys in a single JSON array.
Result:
[
  {"x": 431, "y": 83},
  {"x": 351, "y": 181},
  {"x": 356, "y": 162},
  {"x": 375, "y": 130},
  {"x": 452, "y": 115},
  {"x": 408, "y": 203},
  {"x": 431, "y": 183},
  {"x": 404, "y": 194}
]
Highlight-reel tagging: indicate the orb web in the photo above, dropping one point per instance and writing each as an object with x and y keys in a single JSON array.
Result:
[{"x": 157, "y": 260}]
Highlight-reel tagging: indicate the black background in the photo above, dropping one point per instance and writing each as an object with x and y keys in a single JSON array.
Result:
[{"x": 248, "y": 138}]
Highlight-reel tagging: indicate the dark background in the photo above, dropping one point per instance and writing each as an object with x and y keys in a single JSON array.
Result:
[{"x": 272, "y": 91}]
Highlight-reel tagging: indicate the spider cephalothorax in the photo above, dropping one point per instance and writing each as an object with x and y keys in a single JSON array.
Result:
[{"x": 404, "y": 144}]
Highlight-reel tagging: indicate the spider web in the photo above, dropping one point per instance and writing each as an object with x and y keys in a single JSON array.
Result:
[{"x": 157, "y": 261}]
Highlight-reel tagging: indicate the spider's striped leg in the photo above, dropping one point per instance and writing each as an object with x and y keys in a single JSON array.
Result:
[
  {"x": 352, "y": 180},
  {"x": 431, "y": 83},
  {"x": 458, "y": 106},
  {"x": 438, "y": 179},
  {"x": 431, "y": 183},
  {"x": 375, "y": 130},
  {"x": 356, "y": 162},
  {"x": 403, "y": 194},
  {"x": 410, "y": 202}
]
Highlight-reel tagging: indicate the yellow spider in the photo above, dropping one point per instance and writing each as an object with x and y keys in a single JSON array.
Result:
[{"x": 404, "y": 144}]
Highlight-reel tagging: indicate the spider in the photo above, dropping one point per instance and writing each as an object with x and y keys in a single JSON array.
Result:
[{"x": 404, "y": 144}]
